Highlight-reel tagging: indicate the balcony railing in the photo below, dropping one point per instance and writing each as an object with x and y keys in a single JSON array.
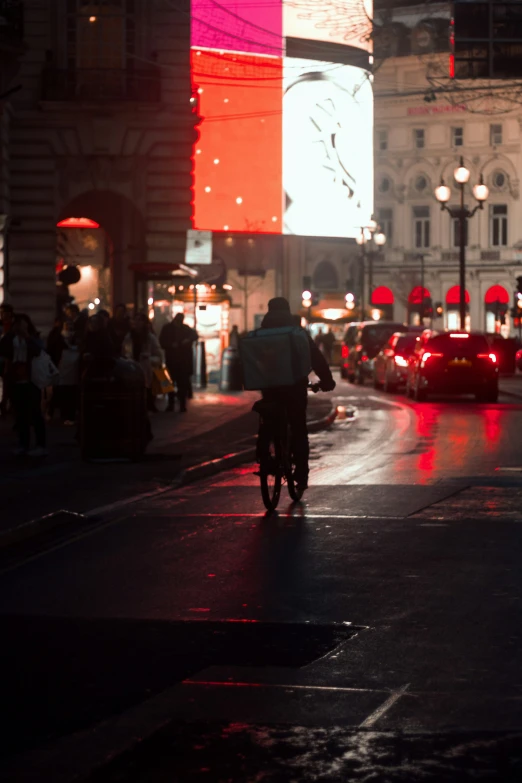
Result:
[
  {"x": 11, "y": 22},
  {"x": 101, "y": 84}
]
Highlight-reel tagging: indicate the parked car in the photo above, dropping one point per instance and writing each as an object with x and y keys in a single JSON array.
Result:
[
  {"x": 363, "y": 347},
  {"x": 453, "y": 363},
  {"x": 390, "y": 368}
]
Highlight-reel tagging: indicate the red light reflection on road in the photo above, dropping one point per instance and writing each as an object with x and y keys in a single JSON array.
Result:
[
  {"x": 427, "y": 425},
  {"x": 492, "y": 424}
]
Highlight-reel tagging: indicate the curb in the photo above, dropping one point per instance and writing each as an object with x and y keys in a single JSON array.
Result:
[
  {"x": 57, "y": 519},
  {"x": 515, "y": 395}
]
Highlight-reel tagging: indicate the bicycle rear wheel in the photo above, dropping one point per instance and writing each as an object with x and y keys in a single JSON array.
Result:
[
  {"x": 270, "y": 475},
  {"x": 293, "y": 490}
]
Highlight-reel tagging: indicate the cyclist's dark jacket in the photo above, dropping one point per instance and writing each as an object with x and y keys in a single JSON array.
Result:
[{"x": 278, "y": 319}]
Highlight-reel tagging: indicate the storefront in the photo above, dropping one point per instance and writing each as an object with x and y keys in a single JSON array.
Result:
[
  {"x": 165, "y": 290},
  {"x": 83, "y": 264}
]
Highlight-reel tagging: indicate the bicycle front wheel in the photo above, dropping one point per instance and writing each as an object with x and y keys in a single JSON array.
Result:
[{"x": 270, "y": 474}]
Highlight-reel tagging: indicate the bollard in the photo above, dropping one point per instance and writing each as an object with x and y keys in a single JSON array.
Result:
[{"x": 201, "y": 365}]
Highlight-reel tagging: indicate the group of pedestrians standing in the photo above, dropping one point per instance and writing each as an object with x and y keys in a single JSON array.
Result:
[{"x": 76, "y": 339}]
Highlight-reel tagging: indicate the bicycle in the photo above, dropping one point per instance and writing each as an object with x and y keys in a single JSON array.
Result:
[{"x": 276, "y": 461}]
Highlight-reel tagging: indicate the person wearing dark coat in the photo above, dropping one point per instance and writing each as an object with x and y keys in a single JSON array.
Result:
[
  {"x": 177, "y": 341},
  {"x": 19, "y": 347},
  {"x": 119, "y": 326},
  {"x": 295, "y": 398}
]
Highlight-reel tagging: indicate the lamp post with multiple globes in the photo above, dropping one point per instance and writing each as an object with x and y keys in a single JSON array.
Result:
[
  {"x": 371, "y": 239},
  {"x": 462, "y": 214}
]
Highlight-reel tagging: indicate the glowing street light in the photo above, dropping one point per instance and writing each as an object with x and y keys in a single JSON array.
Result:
[{"x": 461, "y": 213}]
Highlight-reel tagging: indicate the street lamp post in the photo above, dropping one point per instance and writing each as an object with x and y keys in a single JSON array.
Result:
[
  {"x": 371, "y": 236},
  {"x": 462, "y": 214}
]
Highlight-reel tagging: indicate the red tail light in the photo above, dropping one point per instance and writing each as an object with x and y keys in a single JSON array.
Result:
[
  {"x": 344, "y": 352},
  {"x": 490, "y": 356},
  {"x": 427, "y": 355},
  {"x": 364, "y": 358},
  {"x": 400, "y": 361}
]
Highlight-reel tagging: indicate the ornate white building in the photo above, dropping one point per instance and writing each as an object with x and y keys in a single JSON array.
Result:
[{"x": 420, "y": 134}]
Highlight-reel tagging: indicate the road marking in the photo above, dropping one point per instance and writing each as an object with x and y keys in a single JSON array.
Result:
[
  {"x": 383, "y": 709},
  {"x": 238, "y": 684},
  {"x": 298, "y": 515},
  {"x": 512, "y": 470}
]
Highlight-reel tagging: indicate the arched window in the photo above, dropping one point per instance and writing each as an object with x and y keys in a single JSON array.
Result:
[{"x": 326, "y": 277}]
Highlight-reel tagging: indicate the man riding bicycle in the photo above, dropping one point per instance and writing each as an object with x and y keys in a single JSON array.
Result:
[{"x": 295, "y": 397}]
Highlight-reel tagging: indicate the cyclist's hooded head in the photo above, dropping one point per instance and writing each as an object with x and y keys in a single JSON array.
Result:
[
  {"x": 278, "y": 305},
  {"x": 279, "y": 314}
]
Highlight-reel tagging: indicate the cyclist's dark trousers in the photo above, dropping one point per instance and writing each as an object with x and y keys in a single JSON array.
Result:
[{"x": 296, "y": 401}]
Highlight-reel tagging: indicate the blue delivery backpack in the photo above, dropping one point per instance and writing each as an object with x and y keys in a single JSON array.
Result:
[{"x": 275, "y": 357}]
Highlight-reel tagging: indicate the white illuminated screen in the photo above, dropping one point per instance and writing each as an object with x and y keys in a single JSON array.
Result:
[
  {"x": 285, "y": 143},
  {"x": 327, "y": 148}
]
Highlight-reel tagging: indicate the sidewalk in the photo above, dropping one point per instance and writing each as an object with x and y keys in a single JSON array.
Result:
[{"x": 216, "y": 424}]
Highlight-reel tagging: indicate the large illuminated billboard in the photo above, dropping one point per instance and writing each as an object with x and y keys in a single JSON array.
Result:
[{"x": 286, "y": 139}]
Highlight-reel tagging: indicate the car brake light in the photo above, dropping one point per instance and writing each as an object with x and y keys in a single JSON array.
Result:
[
  {"x": 427, "y": 355},
  {"x": 344, "y": 352},
  {"x": 460, "y": 336},
  {"x": 364, "y": 358},
  {"x": 490, "y": 356},
  {"x": 401, "y": 361}
]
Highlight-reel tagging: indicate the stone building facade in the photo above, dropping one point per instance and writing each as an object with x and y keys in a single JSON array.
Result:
[
  {"x": 420, "y": 136},
  {"x": 102, "y": 128}
]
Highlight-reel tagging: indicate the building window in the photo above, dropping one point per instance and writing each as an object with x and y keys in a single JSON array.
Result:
[
  {"x": 499, "y": 180},
  {"x": 418, "y": 138},
  {"x": 100, "y": 35},
  {"x": 384, "y": 185},
  {"x": 421, "y": 227},
  {"x": 457, "y": 137},
  {"x": 382, "y": 140},
  {"x": 495, "y": 135},
  {"x": 456, "y": 231},
  {"x": 385, "y": 218},
  {"x": 499, "y": 225},
  {"x": 421, "y": 183}
]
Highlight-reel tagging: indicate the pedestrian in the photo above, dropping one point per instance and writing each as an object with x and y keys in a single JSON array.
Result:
[
  {"x": 79, "y": 320},
  {"x": 97, "y": 342},
  {"x": 69, "y": 378},
  {"x": 142, "y": 345},
  {"x": 233, "y": 340},
  {"x": 328, "y": 344},
  {"x": 6, "y": 323},
  {"x": 177, "y": 340},
  {"x": 55, "y": 345},
  {"x": 119, "y": 325},
  {"x": 19, "y": 347}
]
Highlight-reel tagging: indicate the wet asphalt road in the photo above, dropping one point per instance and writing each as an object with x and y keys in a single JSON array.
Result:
[{"x": 373, "y": 633}]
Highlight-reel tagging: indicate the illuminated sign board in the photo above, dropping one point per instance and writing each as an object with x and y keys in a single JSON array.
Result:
[{"x": 286, "y": 139}]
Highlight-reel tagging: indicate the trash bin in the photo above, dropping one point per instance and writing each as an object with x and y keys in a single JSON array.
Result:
[
  {"x": 505, "y": 350},
  {"x": 231, "y": 376},
  {"x": 113, "y": 423}
]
